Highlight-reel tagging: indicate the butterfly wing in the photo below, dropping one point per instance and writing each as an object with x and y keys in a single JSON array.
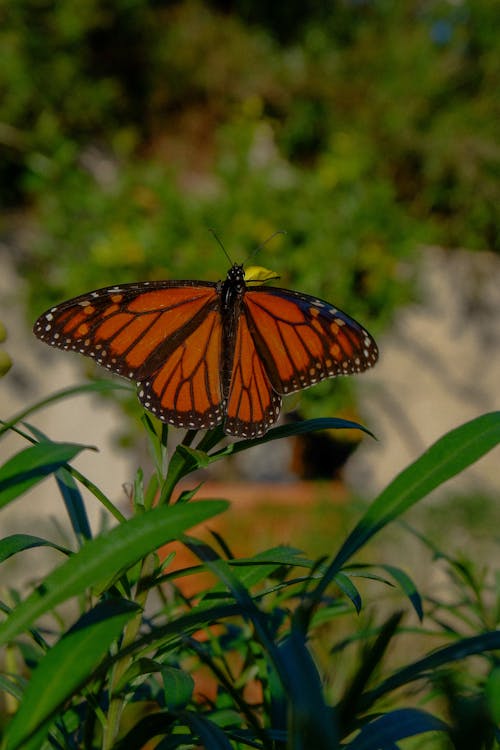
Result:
[
  {"x": 302, "y": 340},
  {"x": 253, "y": 405},
  {"x": 167, "y": 336}
]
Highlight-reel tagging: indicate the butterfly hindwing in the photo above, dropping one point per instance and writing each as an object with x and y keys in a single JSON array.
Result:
[
  {"x": 303, "y": 340},
  {"x": 253, "y": 405},
  {"x": 185, "y": 389}
]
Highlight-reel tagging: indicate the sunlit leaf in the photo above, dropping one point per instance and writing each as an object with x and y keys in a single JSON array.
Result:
[
  {"x": 105, "y": 555},
  {"x": 15, "y": 543},
  {"x": 33, "y": 464},
  {"x": 451, "y": 454},
  {"x": 65, "y": 668},
  {"x": 393, "y": 726}
]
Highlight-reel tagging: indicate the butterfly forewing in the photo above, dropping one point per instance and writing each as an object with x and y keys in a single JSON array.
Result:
[
  {"x": 303, "y": 339},
  {"x": 164, "y": 335},
  {"x": 123, "y": 328}
]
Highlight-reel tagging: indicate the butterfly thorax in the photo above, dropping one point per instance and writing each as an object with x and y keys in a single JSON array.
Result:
[{"x": 232, "y": 288}]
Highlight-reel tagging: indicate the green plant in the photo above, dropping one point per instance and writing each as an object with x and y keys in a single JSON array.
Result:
[
  {"x": 5, "y": 360},
  {"x": 123, "y": 674}
]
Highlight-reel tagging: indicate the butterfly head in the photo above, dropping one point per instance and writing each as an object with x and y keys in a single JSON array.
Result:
[
  {"x": 236, "y": 277},
  {"x": 239, "y": 278}
]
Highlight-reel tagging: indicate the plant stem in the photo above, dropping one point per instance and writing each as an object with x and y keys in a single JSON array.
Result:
[{"x": 117, "y": 702}]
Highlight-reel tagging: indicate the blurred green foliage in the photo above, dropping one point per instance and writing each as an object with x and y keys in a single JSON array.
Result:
[{"x": 362, "y": 127}]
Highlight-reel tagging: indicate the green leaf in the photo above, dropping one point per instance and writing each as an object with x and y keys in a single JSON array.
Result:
[
  {"x": 242, "y": 597},
  {"x": 349, "y": 589},
  {"x": 211, "y": 737},
  {"x": 15, "y": 543},
  {"x": 394, "y": 726},
  {"x": 178, "y": 687},
  {"x": 9, "y": 685},
  {"x": 478, "y": 644},
  {"x": 492, "y": 692},
  {"x": 184, "y": 461},
  {"x": 289, "y": 430},
  {"x": 311, "y": 721},
  {"x": 138, "y": 668},
  {"x": 105, "y": 555},
  {"x": 70, "y": 494},
  {"x": 33, "y": 464},
  {"x": 74, "y": 505},
  {"x": 451, "y": 454},
  {"x": 408, "y": 586},
  {"x": 402, "y": 579},
  {"x": 66, "y": 667},
  {"x": 371, "y": 659},
  {"x": 253, "y": 570}
]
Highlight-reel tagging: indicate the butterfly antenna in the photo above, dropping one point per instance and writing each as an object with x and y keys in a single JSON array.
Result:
[
  {"x": 262, "y": 244},
  {"x": 216, "y": 236}
]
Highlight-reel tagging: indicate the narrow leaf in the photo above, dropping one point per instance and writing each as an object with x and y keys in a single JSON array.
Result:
[
  {"x": 139, "y": 667},
  {"x": 253, "y": 570},
  {"x": 70, "y": 493},
  {"x": 209, "y": 733},
  {"x": 477, "y": 644},
  {"x": 408, "y": 586},
  {"x": 74, "y": 504},
  {"x": 492, "y": 692},
  {"x": 451, "y": 454},
  {"x": 289, "y": 430},
  {"x": 66, "y": 667},
  {"x": 184, "y": 461},
  {"x": 105, "y": 555},
  {"x": 15, "y": 543},
  {"x": 311, "y": 721},
  {"x": 10, "y": 686},
  {"x": 394, "y": 726},
  {"x": 373, "y": 653},
  {"x": 33, "y": 464},
  {"x": 349, "y": 589}
]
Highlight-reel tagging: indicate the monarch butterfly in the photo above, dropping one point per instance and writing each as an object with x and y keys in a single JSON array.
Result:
[{"x": 203, "y": 352}]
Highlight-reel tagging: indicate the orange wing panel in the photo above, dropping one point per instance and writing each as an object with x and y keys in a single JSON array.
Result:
[
  {"x": 186, "y": 389},
  {"x": 131, "y": 329},
  {"x": 170, "y": 298},
  {"x": 253, "y": 406}
]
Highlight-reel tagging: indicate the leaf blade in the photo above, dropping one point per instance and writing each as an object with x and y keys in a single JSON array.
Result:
[
  {"x": 65, "y": 667},
  {"x": 31, "y": 465},
  {"x": 449, "y": 455},
  {"x": 105, "y": 554}
]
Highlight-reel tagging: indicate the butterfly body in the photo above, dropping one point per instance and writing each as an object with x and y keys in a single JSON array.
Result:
[{"x": 203, "y": 353}]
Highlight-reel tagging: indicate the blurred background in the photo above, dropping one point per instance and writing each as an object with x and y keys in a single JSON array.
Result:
[{"x": 366, "y": 129}]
